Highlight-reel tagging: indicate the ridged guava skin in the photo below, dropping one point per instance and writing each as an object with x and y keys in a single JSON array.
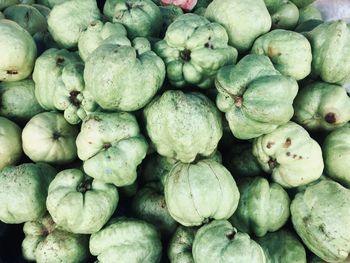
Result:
[
  {"x": 111, "y": 146},
  {"x": 330, "y": 42},
  {"x": 169, "y": 14},
  {"x": 27, "y": 17},
  {"x": 192, "y": 123},
  {"x": 309, "y": 12},
  {"x": 254, "y": 96},
  {"x": 282, "y": 247},
  {"x": 220, "y": 242},
  {"x": 180, "y": 245},
  {"x": 48, "y": 69},
  {"x": 10, "y": 143},
  {"x": 336, "y": 154},
  {"x": 320, "y": 216},
  {"x": 149, "y": 205},
  {"x": 50, "y": 3},
  {"x": 141, "y": 18},
  {"x": 23, "y": 192},
  {"x": 45, "y": 242},
  {"x": 263, "y": 207},
  {"x": 198, "y": 192},
  {"x": 194, "y": 49},
  {"x": 244, "y": 20},
  {"x": 79, "y": 204},
  {"x": 7, "y": 3},
  {"x": 71, "y": 96},
  {"x": 17, "y": 51},
  {"x": 48, "y": 137},
  {"x": 290, "y": 52},
  {"x": 124, "y": 77},
  {"x": 290, "y": 155},
  {"x": 95, "y": 34},
  {"x": 67, "y": 20},
  {"x": 285, "y": 16},
  {"x": 126, "y": 240},
  {"x": 322, "y": 106},
  {"x": 18, "y": 101}
]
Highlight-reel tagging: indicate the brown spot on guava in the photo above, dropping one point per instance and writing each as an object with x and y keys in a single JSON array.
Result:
[
  {"x": 11, "y": 72},
  {"x": 330, "y": 118},
  {"x": 238, "y": 101},
  {"x": 272, "y": 163},
  {"x": 59, "y": 61},
  {"x": 230, "y": 235},
  {"x": 269, "y": 145},
  {"x": 185, "y": 55},
  {"x": 287, "y": 143},
  {"x": 273, "y": 52}
]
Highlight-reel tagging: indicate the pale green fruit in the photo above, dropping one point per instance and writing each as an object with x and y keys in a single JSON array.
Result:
[
  {"x": 182, "y": 125},
  {"x": 69, "y": 19},
  {"x": 79, "y": 204},
  {"x": 27, "y": 17},
  {"x": 290, "y": 52},
  {"x": 282, "y": 247},
  {"x": 141, "y": 18},
  {"x": 285, "y": 16},
  {"x": 220, "y": 242},
  {"x": 263, "y": 207},
  {"x": 330, "y": 42},
  {"x": 290, "y": 155},
  {"x": 198, "y": 192},
  {"x": 45, "y": 242},
  {"x": 44, "y": 10},
  {"x": 149, "y": 205},
  {"x": 126, "y": 240},
  {"x": 320, "y": 216},
  {"x": 17, "y": 51},
  {"x": 71, "y": 96},
  {"x": 302, "y": 3},
  {"x": 6, "y": 3},
  {"x": 10, "y": 143},
  {"x": 244, "y": 20},
  {"x": 111, "y": 146},
  {"x": 336, "y": 154},
  {"x": 23, "y": 192},
  {"x": 96, "y": 34},
  {"x": 194, "y": 49},
  {"x": 322, "y": 106},
  {"x": 18, "y": 101},
  {"x": 48, "y": 70},
  {"x": 254, "y": 96},
  {"x": 180, "y": 245},
  {"x": 134, "y": 74},
  {"x": 51, "y": 3},
  {"x": 309, "y": 12},
  {"x": 48, "y": 137}
]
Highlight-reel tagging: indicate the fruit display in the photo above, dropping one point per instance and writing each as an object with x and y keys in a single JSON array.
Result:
[{"x": 180, "y": 131}]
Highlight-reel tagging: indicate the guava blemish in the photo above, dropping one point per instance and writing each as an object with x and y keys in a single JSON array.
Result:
[
  {"x": 162, "y": 203},
  {"x": 106, "y": 146},
  {"x": 231, "y": 235},
  {"x": 272, "y": 163},
  {"x": 288, "y": 153},
  {"x": 238, "y": 100},
  {"x": 330, "y": 118},
  {"x": 11, "y": 72},
  {"x": 185, "y": 55},
  {"x": 287, "y": 143},
  {"x": 59, "y": 61},
  {"x": 269, "y": 145}
]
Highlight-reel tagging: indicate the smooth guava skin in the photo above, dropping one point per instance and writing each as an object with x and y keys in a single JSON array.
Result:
[
  {"x": 48, "y": 137},
  {"x": 263, "y": 207},
  {"x": 331, "y": 51},
  {"x": 67, "y": 20},
  {"x": 18, "y": 101},
  {"x": 198, "y": 192},
  {"x": 17, "y": 51},
  {"x": 243, "y": 20},
  {"x": 192, "y": 122},
  {"x": 220, "y": 242},
  {"x": 290, "y": 155},
  {"x": 336, "y": 154},
  {"x": 126, "y": 240},
  {"x": 23, "y": 192},
  {"x": 320, "y": 216},
  {"x": 322, "y": 106},
  {"x": 45, "y": 242},
  {"x": 180, "y": 245},
  {"x": 10, "y": 143},
  {"x": 282, "y": 247},
  {"x": 79, "y": 204}
]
